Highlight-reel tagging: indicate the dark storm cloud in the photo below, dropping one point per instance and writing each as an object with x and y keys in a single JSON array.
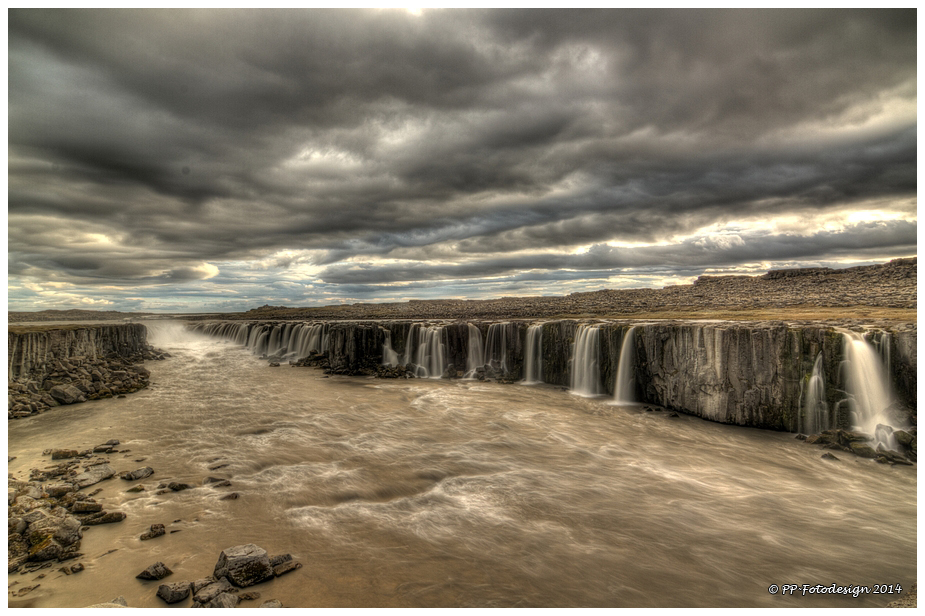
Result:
[
  {"x": 865, "y": 238},
  {"x": 203, "y": 136}
]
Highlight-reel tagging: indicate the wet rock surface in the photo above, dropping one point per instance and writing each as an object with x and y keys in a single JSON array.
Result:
[
  {"x": 157, "y": 571},
  {"x": 244, "y": 565}
]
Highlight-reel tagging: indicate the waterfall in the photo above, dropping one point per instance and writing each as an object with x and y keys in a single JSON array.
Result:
[
  {"x": 425, "y": 349},
  {"x": 389, "y": 356},
  {"x": 868, "y": 388},
  {"x": 586, "y": 373},
  {"x": 475, "y": 358},
  {"x": 815, "y": 415},
  {"x": 624, "y": 388},
  {"x": 533, "y": 356},
  {"x": 496, "y": 346}
]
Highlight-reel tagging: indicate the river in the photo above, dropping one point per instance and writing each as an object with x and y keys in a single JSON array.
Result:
[{"x": 435, "y": 493}]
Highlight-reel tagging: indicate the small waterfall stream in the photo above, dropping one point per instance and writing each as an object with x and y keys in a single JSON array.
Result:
[
  {"x": 425, "y": 349},
  {"x": 625, "y": 386},
  {"x": 533, "y": 355},
  {"x": 389, "y": 356},
  {"x": 868, "y": 388},
  {"x": 586, "y": 372},
  {"x": 815, "y": 411},
  {"x": 475, "y": 356}
]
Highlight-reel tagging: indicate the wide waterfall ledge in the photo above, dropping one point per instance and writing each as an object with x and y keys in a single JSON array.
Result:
[{"x": 773, "y": 375}]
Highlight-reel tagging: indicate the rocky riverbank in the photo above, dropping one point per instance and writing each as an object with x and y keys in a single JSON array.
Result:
[
  {"x": 54, "y": 366},
  {"x": 49, "y": 512}
]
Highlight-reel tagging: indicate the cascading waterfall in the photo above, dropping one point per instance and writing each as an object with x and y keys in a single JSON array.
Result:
[
  {"x": 475, "y": 357},
  {"x": 389, "y": 356},
  {"x": 586, "y": 373},
  {"x": 868, "y": 388},
  {"x": 533, "y": 355},
  {"x": 496, "y": 346},
  {"x": 815, "y": 415},
  {"x": 289, "y": 340},
  {"x": 625, "y": 387},
  {"x": 426, "y": 350}
]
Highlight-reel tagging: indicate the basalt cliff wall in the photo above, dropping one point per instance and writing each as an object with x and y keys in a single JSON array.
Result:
[
  {"x": 751, "y": 374},
  {"x": 48, "y": 367}
]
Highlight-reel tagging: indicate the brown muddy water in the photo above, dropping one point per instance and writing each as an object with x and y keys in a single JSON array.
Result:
[{"x": 431, "y": 493}]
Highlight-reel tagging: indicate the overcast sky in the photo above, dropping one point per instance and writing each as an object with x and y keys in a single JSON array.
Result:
[{"x": 221, "y": 159}]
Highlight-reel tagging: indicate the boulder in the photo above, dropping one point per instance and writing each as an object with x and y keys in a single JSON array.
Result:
[
  {"x": 157, "y": 571},
  {"x": 156, "y": 531},
  {"x": 104, "y": 518},
  {"x": 137, "y": 474},
  {"x": 862, "y": 450},
  {"x": 93, "y": 475},
  {"x": 905, "y": 439},
  {"x": 198, "y": 585},
  {"x": 208, "y": 592},
  {"x": 65, "y": 394},
  {"x": 86, "y": 507},
  {"x": 225, "y": 599},
  {"x": 63, "y": 454},
  {"x": 58, "y": 489},
  {"x": 286, "y": 567},
  {"x": 280, "y": 559},
  {"x": 174, "y": 593},
  {"x": 244, "y": 565},
  {"x": 49, "y": 536}
]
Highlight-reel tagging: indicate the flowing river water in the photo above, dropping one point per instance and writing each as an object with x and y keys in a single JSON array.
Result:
[{"x": 435, "y": 493}]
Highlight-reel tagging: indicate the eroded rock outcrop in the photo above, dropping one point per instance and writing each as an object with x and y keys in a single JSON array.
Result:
[{"x": 48, "y": 367}]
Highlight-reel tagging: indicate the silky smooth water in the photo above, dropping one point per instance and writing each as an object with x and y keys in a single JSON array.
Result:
[{"x": 436, "y": 493}]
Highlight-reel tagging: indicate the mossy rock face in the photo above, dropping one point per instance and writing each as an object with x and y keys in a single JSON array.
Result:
[
  {"x": 862, "y": 450},
  {"x": 46, "y": 549}
]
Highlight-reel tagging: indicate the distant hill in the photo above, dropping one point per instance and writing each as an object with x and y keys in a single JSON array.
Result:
[{"x": 74, "y": 315}]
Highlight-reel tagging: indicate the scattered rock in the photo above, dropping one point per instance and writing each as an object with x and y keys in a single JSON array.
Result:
[
  {"x": 862, "y": 450},
  {"x": 198, "y": 585},
  {"x": 231, "y": 496},
  {"x": 104, "y": 518},
  {"x": 249, "y": 596},
  {"x": 138, "y": 488},
  {"x": 280, "y": 559},
  {"x": 272, "y": 603},
  {"x": 176, "y": 486},
  {"x": 174, "y": 593},
  {"x": 286, "y": 567},
  {"x": 137, "y": 474},
  {"x": 828, "y": 456},
  {"x": 63, "y": 454},
  {"x": 93, "y": 475},
  {"x": 86, "y": 507},
  {"x": 208, "y": 592},
  {"x": 244, "y": 565},
  {"x": 157, "y": 571},
  {"x": 226, "y": 599},
  {"x": 58, "y": 489},
  {"x": 156, "y": 531}
]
